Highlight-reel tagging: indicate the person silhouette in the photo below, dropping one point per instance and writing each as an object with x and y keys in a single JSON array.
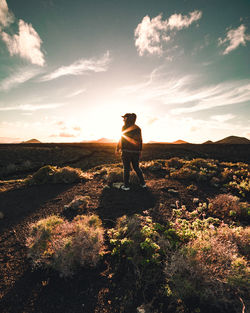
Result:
[{"x": 130, "y": 146}]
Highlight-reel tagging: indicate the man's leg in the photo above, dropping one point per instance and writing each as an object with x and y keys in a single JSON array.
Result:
[
  {"x": 135, "y": 163},
  {"x": 126, "y": 168}
]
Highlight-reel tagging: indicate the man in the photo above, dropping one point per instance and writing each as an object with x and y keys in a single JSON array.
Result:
[{"x": 130, "y": 145}]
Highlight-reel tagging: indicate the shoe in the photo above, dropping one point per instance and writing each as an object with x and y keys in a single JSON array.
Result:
[
  {"x": 125, "y": 188},
  {"x": 143, "y": 186}
]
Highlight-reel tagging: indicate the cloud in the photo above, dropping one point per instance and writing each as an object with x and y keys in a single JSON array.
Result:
[
  {"x": 76, "y": 93},
  {"x": 179, "y": 21},
  {"x": 26, "y": 44},
  {"x": 234, "y": 38},
  {"x": 32, "y": 107},
  {"x": 65, "y": 135},
  {"x": 21, "y": 76},
  {"x": 81, "y": 67},
  {"x": 208, "y": 97},
  {"x": 151, "y": 34},
  {"x": 6, "y": 17},
  {"x": 186, "y": 93},
  {"x": 223, "y": 118},
  {"x": 9, "y": 140}
]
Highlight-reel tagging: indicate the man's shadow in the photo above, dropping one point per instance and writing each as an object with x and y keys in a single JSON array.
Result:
[{"x": 115, "y": 203}]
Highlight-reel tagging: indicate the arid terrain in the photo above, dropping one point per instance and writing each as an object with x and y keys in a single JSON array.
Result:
[{"x": 193, "y": 223}]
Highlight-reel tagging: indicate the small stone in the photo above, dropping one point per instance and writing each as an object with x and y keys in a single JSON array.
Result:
[
  {"x": 196, "y": 200},
  {"x": 1, "y": 215},
  {"x": 173, "y": 206},
  {"x": 106, "y": 187},
  {"x": 117, "y": 185},
  {"x": 173, "y": 191}
]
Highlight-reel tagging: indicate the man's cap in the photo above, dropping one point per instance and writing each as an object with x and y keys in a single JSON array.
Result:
[
  {"x": 126, "y": 115},
  {"x": 129, "y": 115}
]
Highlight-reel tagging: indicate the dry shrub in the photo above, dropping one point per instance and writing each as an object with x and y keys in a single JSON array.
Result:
[
  {"x": 175, "y": 163},
  {"x": 64, "y": 246},
  {"x": 184, "y": 173},
  {"x": 203, "y": 163},
  {"x": 115, "y": 175},
  {"x": 53, "y": 174},
  {"x": 153, "y": 166},
  {"x": 224, "y": 205},
  {"x": 210, "y": 273},
  {"x": 237, "y": 235}
]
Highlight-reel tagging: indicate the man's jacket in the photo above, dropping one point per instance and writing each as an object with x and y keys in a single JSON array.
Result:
[{"x": 131, "y": 140}]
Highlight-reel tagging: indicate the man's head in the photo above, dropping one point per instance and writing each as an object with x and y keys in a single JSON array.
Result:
[{"x": 129, "y": 118}]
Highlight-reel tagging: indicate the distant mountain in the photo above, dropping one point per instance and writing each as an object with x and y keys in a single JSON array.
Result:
[
  {"x": 234, "y": 140},
  {"x": 179, "y": 142},
  {"x": 101, "y": 140},
  {"x": 208, "y": 142},
  {"x": 32, "y": 141}
]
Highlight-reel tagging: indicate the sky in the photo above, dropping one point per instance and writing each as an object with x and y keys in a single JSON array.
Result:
[{"x": 70, "y": 69}]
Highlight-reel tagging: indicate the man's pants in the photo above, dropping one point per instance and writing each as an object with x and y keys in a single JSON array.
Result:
[{"x": 131, "y": 158}]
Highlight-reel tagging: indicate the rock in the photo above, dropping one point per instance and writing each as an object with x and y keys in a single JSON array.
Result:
[
  {"x": 106, "y": 187},
  {"x": 1, "y": 215},
  {"x": 117, "y": 185},
  {"x": 172, "y": 206},
  {"x": 196, "y": 200},
  {"x": 144, "y": 308},
  {"x": 173, "y": 192},
  {"x": 79, "y": 202}
]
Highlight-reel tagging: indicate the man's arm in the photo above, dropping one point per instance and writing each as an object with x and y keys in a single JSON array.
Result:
[{"x": 118, "y": 147}]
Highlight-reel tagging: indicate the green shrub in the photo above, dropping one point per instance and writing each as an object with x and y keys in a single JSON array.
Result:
[
  {"x": 65, "y": 246},
  {"x": 241, "y": 187},
  {"x": 53, "y": 174},
  {"x": 140, "y": 245}
]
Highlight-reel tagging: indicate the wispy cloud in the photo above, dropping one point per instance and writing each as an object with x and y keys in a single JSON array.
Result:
[
  {"x": 19, "y": 77},
  {"x": 186, "y": 92},
  {"x": 234, "y": 38},
  {"x": 26, "y": 44},
  {"x": 226, "y": 93},
  {"x": 9, "y": 140},
  {"x": 81, "y": 67},
  {"x": 63, "y": 135},
  {"x": 151, "y": 34},
  {"x": 32, "y": 107},
  {"x": 76, "y": 93},
  {"x": 6, "y": 17},
  {"x": 223, "y": 118}
]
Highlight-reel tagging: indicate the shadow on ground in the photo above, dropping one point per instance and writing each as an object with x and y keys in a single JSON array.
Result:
[
  {"x": 45, "y": 292},
  {"x": 115, "y": 203},
  {"x": 20, "y": 203}
]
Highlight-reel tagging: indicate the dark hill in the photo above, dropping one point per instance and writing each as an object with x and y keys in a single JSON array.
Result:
[
  {"x": 234, "y": 140},
  {"x": 208, "y": 142},
  {"x": 32, "y": 141}
]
